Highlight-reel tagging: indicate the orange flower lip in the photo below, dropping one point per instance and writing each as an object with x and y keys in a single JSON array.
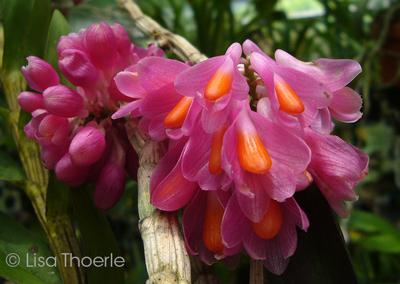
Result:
[
  {"x": 219, "y": 85},
  {"x": 271, "y": 223},
  {"x": 216, "y": 147},
  {"x": 253, "y": 156},
  {"x": 177, "y": 115},
  {"x": 288, "y": 99},
  {"x": 212, "y": 224}
]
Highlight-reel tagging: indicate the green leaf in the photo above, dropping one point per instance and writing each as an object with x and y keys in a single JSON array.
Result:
[
  {"x": 98, "y": 238},
  {"x": 58, "y": 201},
  {"x": 373, "y": 232},
  {"x": 16, "y": 16},
  {"x": 36, "y": 36},
  {"x": 321, "y": 255},
  {"x": 9, "y": 169},
  {"x": 58, "y": 27},
  {"x": 16, "y": 242}
]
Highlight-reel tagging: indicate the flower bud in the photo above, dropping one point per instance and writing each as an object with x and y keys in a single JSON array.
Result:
[
  {"x": 101, "y": 46},
  {"x": 123, "y": 42},
  {"x": 53, "y": 130},
  {"x": 71, "y": 174},
  {"x": 30, "y": 101},
  {"x": 39, "y": 74},
  {"x": 51, "y": 154},
  {"x": 110, "y": 186},
  {"x": 87, "y": 146},
  {"x": 77, "y": 68},
  {"x": 66, "y": 42},
  {"x": 63, "y": 101}
]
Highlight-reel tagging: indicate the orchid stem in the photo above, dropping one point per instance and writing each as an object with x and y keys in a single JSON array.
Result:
[{"x": 167, "y": 260}]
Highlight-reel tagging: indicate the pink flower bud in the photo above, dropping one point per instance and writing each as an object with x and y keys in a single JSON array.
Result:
[
  {"x": 67, "y": 42},
  {"x": 63, "y": 101},
  {"x": 101, "y": 45},
  {"x": 39, "y": 74},
  {"x": 77, "y": 68},
  {"x": 123, "y": 42},
  {"x": 71, "y": 174},
  {"x": 52, "y": 130},
  {"x": 51, "y": 154},
  {"x": 29, "y": 130},
  {"x": 30, "y": 101},
  {"x": 99, "y": 165},
  {"x": 110, "y": 186},
  {"x": 87, "y": 146}
]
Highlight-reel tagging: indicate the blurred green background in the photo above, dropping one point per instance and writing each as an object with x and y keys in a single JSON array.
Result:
[{"x": 365, "y": 30}]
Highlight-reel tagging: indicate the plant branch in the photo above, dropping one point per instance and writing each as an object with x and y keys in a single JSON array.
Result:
[{"x": 161, "y": 36}]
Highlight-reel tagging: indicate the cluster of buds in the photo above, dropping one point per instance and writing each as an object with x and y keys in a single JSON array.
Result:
[
  {"x": 242, "y": 136},
  {"x": 79, "y": 140}
]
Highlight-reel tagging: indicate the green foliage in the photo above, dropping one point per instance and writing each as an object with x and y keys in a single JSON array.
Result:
[
  {"x": 375, "y": 245},
  {"x": 58, "y": 27},
  {"x": 98, "y": 238},
  {"x": 9, "y": 169},
  {"x": 16, "y": 242},
  {"x": 373, "y": 232}
]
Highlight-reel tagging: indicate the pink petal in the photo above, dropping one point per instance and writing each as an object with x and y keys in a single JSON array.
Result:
[
  {"x": 275, "y": 261},
  {"x": 169, "y": 190},
  {"x": 155, "y": 72},
  {"x": 212, "y": 121},
  {"x": 192, "y": 221},
  {"x": 296, "y": 213},
  {"x": 130, "y": 107},
  {"x": 279, "y": 182},
  {"x": 161, "y": 101},
  {"x": 287, "y": 236},
  {"x": 234, "y": 224},
  {"x": 323, "y": 123},
  {"x": 335, "y": 73},
  {"x": 191, "y": 118},
  {"x": 128, "y": 84},
  {"x": 196, "y": 153},
  {"x": 196, "y": 78},
  {"x": 305, "y": 86},
  {"x": 334, "y": 201},
  {"x": 235, "y": 52},
  {"x": 346, "y": 105},
  {"x": 157, "y": 129},
  {"x": 208, "y": 181},
  {"x": 281, "y": 144},
  {"x": 256, "y": 206}
]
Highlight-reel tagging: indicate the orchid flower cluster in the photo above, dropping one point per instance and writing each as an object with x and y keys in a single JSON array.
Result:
[{"x": 243, "y": 134}]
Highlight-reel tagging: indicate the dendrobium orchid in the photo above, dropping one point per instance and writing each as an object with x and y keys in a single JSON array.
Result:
[{"x": 242, "y": 136}]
